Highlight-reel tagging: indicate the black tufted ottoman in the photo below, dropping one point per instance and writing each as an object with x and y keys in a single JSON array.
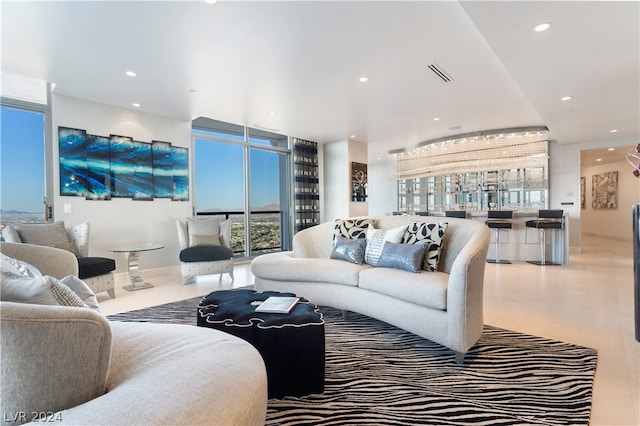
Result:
[{"x": 291, "y": 345}]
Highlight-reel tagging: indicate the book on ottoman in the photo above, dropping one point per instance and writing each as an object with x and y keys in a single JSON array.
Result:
[{"x": 278, "y": 305}]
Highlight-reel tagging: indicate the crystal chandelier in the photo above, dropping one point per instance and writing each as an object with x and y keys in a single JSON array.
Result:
[{"x": 502, "y": 149}]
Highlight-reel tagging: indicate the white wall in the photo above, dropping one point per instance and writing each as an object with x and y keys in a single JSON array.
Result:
[
  {"x": 337, "y": 159},
  {"x": 612, "y": 223},
  {"x": 122, "y": 221}
]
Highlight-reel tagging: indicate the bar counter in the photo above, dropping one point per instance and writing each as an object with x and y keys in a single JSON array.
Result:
[{"x": 520, "y": 243}]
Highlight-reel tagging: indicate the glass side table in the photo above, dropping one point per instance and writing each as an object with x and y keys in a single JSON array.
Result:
[{"x": 133, "y": 255}]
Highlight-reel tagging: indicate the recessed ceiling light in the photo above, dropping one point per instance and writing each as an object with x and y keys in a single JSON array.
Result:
[
  {"x": 352, "y": 136},
  {"x": 542, "y": 27},
  {"x": 364, "y": 79},
  {"x": 566, "y": 98},
  {"x": 436, "y": 119},
  {"x": 135, "y": 104},
  {"x": 211, "y": 1},
  {"x": 598, "y": 159},
  {"x": 613, "y": 130},
  {"x": 611, "y": 149},
  {"x": 272, "y": 113},
  {"x": 131, "y": 73}
]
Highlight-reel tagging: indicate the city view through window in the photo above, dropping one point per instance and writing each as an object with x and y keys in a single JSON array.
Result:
[
  {"x": 22, "y": 166},
  {"x": 220, "y": 190}
]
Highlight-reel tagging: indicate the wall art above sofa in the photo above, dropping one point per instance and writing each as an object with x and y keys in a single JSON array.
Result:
[{"x": 101, "y": 167}]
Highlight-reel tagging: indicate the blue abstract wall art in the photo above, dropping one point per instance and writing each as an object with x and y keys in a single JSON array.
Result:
[{"x": 100, "y": 167}]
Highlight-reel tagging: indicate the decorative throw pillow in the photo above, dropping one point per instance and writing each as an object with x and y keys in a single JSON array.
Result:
[
  {"x": 10, "y": 267},
  {"x": 82, "y": 290},
  {"x": 408, "y": 257},
  {"x": 47, "y": 234},
  {"x": 225, "y": 233},
  {"x": 10, "y": 234},
  {"x": 349, "y": 249},
  {"x": 351, "y": 228},
  {"x": 203, "y": 232},
  {"x": 376, "y": 239},
  {"x": 43, "y": 290},
  {"x": 430, "y": 233}
]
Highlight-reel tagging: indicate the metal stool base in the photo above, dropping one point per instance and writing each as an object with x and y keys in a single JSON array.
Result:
[
  {"x": 543, "y": 263},
  {"x": 504, "y": 262}
]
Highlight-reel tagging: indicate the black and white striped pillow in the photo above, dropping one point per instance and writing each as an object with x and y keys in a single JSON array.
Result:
[
  {"x": 431, "y": 234},
  {"x": 352, "y": 228}
]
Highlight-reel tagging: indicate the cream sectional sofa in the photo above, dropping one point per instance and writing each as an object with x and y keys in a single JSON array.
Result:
[
  {"x": 70, "y": 365},
  {"x": 443, "y": 306}
]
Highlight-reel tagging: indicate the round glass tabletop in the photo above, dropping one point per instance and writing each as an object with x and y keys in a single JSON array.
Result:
[{"x": 137, "y": 248}]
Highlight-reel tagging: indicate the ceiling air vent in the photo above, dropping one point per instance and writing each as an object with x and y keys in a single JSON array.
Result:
[{"x": 440, "y": 73}]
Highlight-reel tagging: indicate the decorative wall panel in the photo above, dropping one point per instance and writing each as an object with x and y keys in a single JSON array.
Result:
[{"x": 100, "y": 167}]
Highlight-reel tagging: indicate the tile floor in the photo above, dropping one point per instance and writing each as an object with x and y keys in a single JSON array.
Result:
[{"x": 587, "y": 302}]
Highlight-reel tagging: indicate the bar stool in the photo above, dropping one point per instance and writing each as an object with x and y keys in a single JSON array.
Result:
[
  {"x": 547, "y": 219},
  {"x": 462, "y": 214},
  {"x": 499, "y": 219}
]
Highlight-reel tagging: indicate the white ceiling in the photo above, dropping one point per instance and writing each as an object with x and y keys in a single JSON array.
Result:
[{"x": 302, "y": 60}]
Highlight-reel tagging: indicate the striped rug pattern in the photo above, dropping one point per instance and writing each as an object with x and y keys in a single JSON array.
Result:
[{"x": 377, "y": 374}]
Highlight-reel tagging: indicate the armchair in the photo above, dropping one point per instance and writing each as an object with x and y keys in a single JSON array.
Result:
[
  {"x": 96, "y": 272},
  {"x": 204, "y": 248},
  {"x": 75, "y": 367}
]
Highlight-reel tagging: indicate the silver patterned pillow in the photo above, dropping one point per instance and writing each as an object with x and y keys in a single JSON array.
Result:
[
  {"x": 348, "y": 249},
  {"x": 433, "y": 235},
  {"x": 408, "y": 257},
  {"x": 376, "y": 239}
]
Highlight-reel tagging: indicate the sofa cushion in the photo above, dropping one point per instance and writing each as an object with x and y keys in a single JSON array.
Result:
[
  {"x": 408, "y": 257},
  {"x": 284, "y": 267},
  {"x": 352, "y": 228},
  {"x": 349, "y": 250},
  {"x": 46, "y": 234},
  {"x": 205, "y": 254},
  {"x": 431, "y": 233},
  {"x": 94, "y": 266},
  {"x": 425, "y": 289},
  {"x": 203, "y": 231},
  {"x": 376, "y": 239}
]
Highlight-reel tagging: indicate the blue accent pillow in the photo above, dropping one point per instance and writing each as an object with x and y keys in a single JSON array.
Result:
[
  {"x": 408, "y": 257},
  {"x": 348, "y": 249}
]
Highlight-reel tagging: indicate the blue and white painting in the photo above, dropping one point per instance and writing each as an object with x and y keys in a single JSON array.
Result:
[
  {"x": 142, "y": 171},
  {"x": 73, "y": 161},
  {"x": 100, "y": 167},
  {"x": 162, "y": 169},
  {"x": 122, "y": 162},
  {"x": 180, "y": 158}
]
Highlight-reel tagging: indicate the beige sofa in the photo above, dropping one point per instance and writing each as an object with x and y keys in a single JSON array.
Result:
[
  {"x": 443, "y": 306},
  {"x": 71, "y": 365}
]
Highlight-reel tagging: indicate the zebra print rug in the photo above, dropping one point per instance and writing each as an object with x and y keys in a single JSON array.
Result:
[{"x": 377, "y": 374}]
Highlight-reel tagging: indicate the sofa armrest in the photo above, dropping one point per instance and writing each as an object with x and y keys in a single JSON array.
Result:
[
  {"x": 48, "y": 260},
  {"x": 53, "y": 357},
  {"x": 465, "y": 291}
]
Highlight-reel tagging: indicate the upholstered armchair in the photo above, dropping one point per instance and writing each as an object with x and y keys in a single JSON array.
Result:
[
  {"x": 70, "y": 365},
  {"x": 96, "y": 272},
  {"x": 204, "y": 248}
]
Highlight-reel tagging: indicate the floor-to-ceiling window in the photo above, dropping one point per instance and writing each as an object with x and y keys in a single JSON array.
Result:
[
  {"x": 243, "y": 174},
  {"x": 23, "y": 176}
]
